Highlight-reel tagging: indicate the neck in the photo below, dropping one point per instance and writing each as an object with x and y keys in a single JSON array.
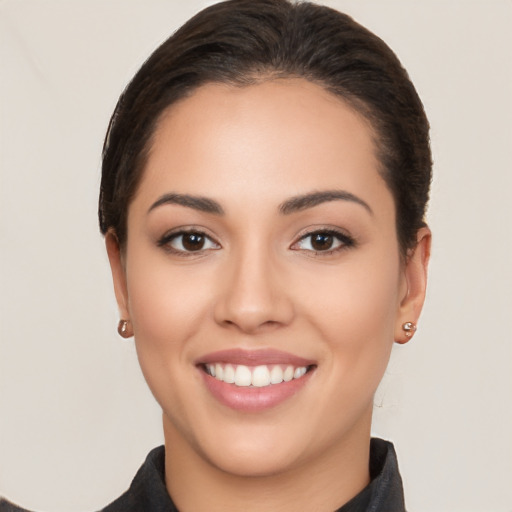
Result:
[{"x": 325, "y": 484}]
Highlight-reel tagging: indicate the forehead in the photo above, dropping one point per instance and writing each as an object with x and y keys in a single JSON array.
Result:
[{"x": 281, "y": 137}]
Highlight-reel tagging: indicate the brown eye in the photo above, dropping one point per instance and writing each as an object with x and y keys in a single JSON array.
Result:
[
  {"x": 188, "y": 241},
  {"x": 193, "y": 241},
  {"x": 322, "y": 241}
]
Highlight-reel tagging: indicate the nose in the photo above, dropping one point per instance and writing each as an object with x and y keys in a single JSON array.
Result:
[{"x": 254, "y": 297}]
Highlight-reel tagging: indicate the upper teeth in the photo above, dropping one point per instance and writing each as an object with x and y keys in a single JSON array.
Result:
[{"x": 257, "y": 376}]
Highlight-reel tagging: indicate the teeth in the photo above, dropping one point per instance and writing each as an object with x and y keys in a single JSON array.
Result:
[
  {"x": 276, "y": 375},
  {"x": 258, "y": 376},
  {"x": 288, "y": 374},
  {"x": 242, "y": 376},
  {"x": 219, "y": 372},
  {"x": 229, "y": 374},
  {"x": 299, "y": 372}
]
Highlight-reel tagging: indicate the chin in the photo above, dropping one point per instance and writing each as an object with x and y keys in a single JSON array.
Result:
[
  {"x": 250, "y": 448},
  {"x": 247, "y": 459}
]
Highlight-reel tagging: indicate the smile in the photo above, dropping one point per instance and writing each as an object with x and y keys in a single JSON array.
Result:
[
  {"x": 254, "y": 380},
  {"x": 255, "y": 376}
]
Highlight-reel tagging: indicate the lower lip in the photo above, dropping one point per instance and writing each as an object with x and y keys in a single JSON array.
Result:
[{"x": 253, "y": 399}]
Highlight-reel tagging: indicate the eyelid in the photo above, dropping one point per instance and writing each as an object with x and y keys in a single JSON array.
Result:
[
  {"x": 169, "y": 236},
  {"x": 347, "y": 240}
]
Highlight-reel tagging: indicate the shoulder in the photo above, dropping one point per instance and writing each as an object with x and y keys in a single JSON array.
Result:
[
  {"x": 7, "y": 506},
  {"x": 386, "y": 485},
  {"x": 147, "y": 490},
  {"x": 384, "y": 492}
]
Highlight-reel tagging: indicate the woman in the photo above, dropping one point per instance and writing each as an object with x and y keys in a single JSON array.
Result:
[
  {"x": 264, "y": 183},
  {"x": 265, "y": 178}
]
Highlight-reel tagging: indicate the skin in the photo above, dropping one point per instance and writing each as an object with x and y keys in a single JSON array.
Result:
[{"x": 258, "y": 284}]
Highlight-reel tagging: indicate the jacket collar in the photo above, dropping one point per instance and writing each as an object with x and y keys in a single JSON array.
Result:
[{"x": 384, "y": 493}]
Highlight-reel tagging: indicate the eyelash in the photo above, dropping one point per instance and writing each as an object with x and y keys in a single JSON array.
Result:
[
  {"x": 345, "y": 242},
  {"x": 168, "y": 238}
]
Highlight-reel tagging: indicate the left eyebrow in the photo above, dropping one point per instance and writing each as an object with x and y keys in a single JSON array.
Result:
[
  {"x": 203, "y": 204},
  {"x": 305, "y": 201}
]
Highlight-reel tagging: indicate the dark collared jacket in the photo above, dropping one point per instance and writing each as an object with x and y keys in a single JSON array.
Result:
[{"x": 148, "y": 492}]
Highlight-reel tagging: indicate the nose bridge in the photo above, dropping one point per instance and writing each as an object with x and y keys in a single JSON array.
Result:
[{"x": 253, "y": 292}]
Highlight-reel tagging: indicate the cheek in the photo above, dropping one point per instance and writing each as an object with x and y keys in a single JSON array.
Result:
[
  {"x": 355, "y": 311},
  {"x": 359, "y": 296},
  {"x": 166, "y": 306}
]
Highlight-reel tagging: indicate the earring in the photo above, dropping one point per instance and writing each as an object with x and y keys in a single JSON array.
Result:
[
  {"x": 122, "y": 329},
  {"x": 409, "y": 328}
]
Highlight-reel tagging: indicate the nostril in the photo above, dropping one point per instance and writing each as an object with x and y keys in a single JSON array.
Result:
[{"x": 253, "y": 325}]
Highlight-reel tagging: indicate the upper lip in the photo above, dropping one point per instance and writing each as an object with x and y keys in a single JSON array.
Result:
[{"x": 254, "y": 357}]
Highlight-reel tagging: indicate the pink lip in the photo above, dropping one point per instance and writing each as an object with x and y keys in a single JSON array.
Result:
[
  {"x": 254, "y": 357},
  {"x": 251, "y": 399}
]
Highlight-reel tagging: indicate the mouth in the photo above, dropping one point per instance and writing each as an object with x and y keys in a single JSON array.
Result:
[
  {"x": 255, "y": 376},
  {"x": 253, "y": 381}
]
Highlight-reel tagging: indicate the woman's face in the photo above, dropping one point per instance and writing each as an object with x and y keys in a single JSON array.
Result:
[{"x": 262, "y": 245}]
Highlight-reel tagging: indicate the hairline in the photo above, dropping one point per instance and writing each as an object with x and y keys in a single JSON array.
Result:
[{"x": 254, "y": 77}]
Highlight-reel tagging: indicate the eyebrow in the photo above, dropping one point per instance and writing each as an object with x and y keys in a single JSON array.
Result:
[
  {"x": 305, "y": 201},
  {"x": 292, "y": 205},
  {"x": 203, "y": 204}
]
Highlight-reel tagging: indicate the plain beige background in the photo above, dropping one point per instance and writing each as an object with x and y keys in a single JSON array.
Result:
[{"x": 76, "y": 419}]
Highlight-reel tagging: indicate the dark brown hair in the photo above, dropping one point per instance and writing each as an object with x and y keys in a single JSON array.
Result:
[{"x": 242, "y": 42}]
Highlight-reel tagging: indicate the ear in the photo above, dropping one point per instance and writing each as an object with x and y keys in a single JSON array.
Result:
[
  {"x": 115, "y": 258},
  {"x": 415, "y": 284}
]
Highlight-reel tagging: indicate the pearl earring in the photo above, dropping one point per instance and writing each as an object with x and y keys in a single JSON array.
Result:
[
  {"x": 409, "y": 328},
  {"x": 122, "y": 329}
]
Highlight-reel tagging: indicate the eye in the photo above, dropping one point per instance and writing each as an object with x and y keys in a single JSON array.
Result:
[
  {"x": 324, "y": 241},
  {"x": 188, "y": 242}
]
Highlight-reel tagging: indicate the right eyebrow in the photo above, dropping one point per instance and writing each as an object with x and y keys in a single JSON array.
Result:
[
  {"x": 203, "y": 204},
  {"x": 302, "y": 202}
]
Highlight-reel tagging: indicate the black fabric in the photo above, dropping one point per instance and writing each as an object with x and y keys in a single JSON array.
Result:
[
  {"x": 7, "y": 506},
  {"x": 383, "y": 494},
  {"x": 148, "y": 492},
  {"x": 385, "y": 491}
]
